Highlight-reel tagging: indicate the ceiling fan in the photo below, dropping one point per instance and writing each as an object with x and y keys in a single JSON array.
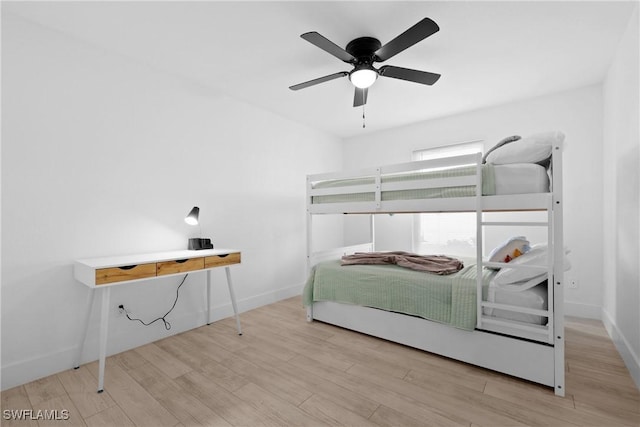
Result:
[{"x": 362, "y": 52}]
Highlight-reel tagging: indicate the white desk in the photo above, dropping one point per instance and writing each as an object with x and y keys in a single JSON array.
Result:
[{"x": 100, "y": 274}]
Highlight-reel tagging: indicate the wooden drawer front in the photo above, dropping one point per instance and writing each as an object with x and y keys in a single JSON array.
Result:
[
  {"x": 180, "y": 266},
  {"x": 124, "y": 273},
  {"x": 219, "y": 260}
]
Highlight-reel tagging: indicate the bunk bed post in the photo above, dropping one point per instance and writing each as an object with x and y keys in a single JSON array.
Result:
[
  {"x": 309, "y": 227},
  {"x": 309, "y": 242},
  {"x": 372, "y": 227},
  {"x": 558, "y": 268},
  {"x": 378, "y": 192},
  {"x": 551, "y": 333},
  {"x": 479, "y": 243}
]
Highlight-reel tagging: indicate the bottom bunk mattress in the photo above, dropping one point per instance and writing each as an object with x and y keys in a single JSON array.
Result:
[{"x": 449, "y": 299}]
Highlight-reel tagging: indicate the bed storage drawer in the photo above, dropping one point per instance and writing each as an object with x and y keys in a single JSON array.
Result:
[
  {"x": 121, "y": 274},
  {"x": 180, "y": 266},
  {"x": 220, "y": 260}
]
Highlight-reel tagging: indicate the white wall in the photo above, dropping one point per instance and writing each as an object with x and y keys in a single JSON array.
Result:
[
  {"x": 577, "y": 113},
  {"x": 621, "y": 199},
  {"x": 103, "y": 155}
]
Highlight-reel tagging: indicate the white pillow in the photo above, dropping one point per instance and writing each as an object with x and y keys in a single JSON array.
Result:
[
  {"x": 522, "y": 286},
  {"x": 509, "y": 250},
  {"x": 515, "y": 276},
  {"x": 532, "y": 149}
]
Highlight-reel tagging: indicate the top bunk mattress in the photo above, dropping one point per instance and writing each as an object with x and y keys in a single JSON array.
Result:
[
  {"x": 517, "y": 178},
  {"x": 520, "y": 178}
]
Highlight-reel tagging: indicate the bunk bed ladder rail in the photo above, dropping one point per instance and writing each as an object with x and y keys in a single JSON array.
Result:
[
  {"x": 554, "y": 330},
  {"x": 557, "y": 283},
  {"x": 535, "y": 332},
  {"x": 538, "y": 333}
]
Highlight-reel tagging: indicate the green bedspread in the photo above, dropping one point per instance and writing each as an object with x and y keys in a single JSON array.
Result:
[
  {"x": 447, "y": 299},
  {"x": 488, "y": 186}
]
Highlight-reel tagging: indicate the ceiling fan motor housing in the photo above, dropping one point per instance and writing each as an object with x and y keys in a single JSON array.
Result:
[{"x": 363, "y": 49}]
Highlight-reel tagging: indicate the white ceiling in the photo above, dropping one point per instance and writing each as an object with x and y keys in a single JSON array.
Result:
[{"x": 487, "y": 52}]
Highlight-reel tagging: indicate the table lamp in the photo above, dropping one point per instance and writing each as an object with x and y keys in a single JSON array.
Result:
[{"x": 197, "y": 243}]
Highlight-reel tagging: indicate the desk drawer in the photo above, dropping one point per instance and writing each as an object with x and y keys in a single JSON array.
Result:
[
  {"x": 121, "y": 274},
  {"x": 220, "y": 260},
  {"x": 180, "y": 266}
]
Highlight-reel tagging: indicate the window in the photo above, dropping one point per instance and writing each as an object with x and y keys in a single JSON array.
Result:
[{"x": 446, "y": 233}]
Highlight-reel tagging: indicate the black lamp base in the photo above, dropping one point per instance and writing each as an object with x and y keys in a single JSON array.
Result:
[{"x": 199, "y": 244}]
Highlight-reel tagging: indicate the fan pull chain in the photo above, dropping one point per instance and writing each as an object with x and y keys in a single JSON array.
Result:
[{"x": 363, "y": 125}]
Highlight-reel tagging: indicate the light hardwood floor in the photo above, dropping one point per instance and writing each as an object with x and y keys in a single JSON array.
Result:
[{"x": 285, "y": 371}]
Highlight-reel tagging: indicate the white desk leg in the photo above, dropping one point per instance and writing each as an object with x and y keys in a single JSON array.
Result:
[
  {"x": 85, "y": 328},
  {"x": 104, "y": 327},
  {"x": 233, "y": 300},
  {"x": 208, "y": 297}
]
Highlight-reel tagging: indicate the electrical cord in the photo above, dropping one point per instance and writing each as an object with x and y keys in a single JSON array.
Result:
[{"x": 167, "y": 325}]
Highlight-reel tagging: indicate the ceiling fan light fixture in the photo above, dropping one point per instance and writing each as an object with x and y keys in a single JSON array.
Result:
[{"x": 364, "y": 76}]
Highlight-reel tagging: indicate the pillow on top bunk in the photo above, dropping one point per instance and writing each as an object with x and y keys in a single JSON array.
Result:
[
  {"x": 509, "y": 250},
  {"x": 515, "y": 276},
  {"x": 532, "y": 149},
  {"x": 500, "y": 144}
]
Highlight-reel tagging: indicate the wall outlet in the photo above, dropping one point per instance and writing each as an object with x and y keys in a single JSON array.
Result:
[{"x": 121, "y": 310}]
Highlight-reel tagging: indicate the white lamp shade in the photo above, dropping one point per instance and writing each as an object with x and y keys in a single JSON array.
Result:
[{"x": 363, "y": 77}]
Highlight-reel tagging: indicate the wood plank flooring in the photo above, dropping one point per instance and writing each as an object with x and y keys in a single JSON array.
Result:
[{"x": 284, "y": 371}]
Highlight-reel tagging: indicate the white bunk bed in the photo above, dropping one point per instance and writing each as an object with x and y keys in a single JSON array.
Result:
[{"x": 534, "y": 352}]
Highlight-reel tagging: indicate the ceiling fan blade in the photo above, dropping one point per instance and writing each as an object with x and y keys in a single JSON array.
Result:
[
  {"x": 360, "y": 97},
  {"x": 408, "y": 74},
  {"x": 413, "y": 35},
  {"x": 328, "y": 46},
  {"x": 319, "y": 80}
]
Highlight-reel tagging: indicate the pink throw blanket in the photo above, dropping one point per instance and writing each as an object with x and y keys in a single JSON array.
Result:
[{"x": 436, "y": 264}]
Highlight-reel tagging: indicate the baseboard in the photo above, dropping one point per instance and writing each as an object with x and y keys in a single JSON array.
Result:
[
  {"x": 25, "y": 371},
  {"x": 585, "y": 311},
  {"x": 631, "y": 359}
]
